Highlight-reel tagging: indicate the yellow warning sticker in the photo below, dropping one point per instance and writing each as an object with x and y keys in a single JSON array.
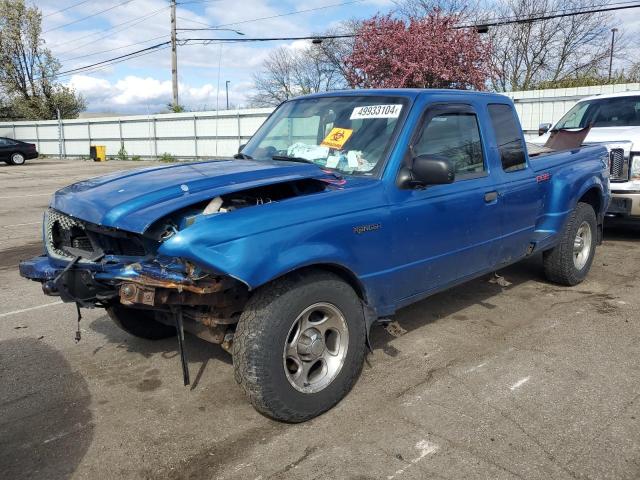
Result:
[{"x": 337, "y": 138}]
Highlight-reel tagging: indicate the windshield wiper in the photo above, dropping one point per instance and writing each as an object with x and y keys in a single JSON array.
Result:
[
  {"x": 286, "y": 158},
  {"x": 242, "y": 156}
]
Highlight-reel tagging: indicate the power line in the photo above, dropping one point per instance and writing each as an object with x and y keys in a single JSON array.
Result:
[
  {"x": 295, "y": 12},
  {"x": 187, "y": 41},
  {"x": 88, "y": 16},
  {"x": 65, "y": 9},
  {"x": 193, "y": 21},
  {"x": 126, "y": 55},
  {"x": 532, "y": 19},
  {"x": 102, "y": 33},
  {"x": 113, "y": 49},
  {"x": 102, "y": 67},
  {"x": 266, "y": 39},
  {"x": 197, "y": 1}
]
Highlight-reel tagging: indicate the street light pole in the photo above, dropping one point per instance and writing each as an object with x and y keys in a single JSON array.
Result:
[
  {"x": 226, "y": 87},
  {"x": 174, "y": 55},
  {"x": 613, "y": 41}
]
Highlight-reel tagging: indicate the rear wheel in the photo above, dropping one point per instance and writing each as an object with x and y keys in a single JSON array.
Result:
[
  {"x": 299, "y": 346},
  {"x": 570, "y": 261},
  {"x": 16, "y": 159},
  {"x": 140, "y": 323}
]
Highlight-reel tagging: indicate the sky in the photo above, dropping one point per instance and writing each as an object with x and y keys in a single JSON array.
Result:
[{"x": 143, "y": 84}]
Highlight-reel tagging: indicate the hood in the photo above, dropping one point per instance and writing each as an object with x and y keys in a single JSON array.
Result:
[
  {"x": 605, "y": 135},
  {"x": 134, "y": 199},
  {"x": 615, "y": 135}
]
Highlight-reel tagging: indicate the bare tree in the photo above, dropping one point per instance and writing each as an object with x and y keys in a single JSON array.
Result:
[
  {"x": 287, "y": 73},
  {"x": 336, "y": 50},
  {"x": 464, "y": 9},
  {"x": 28, "y": 74},
  {"x": 551, "y": 50}
]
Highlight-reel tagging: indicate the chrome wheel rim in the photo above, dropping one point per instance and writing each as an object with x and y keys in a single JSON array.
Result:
[
  {"x": 582, "y": 246},
  {"x": 315, "y": 348},
  {"x": 18, "y": 158}
]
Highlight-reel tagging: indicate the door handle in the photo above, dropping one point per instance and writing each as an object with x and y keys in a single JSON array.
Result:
[{"x": 490, "y": 197}]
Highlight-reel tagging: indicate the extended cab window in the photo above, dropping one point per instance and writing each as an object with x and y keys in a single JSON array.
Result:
[
  {"x": 456, "y": 136},
  {"x": 509, "y": 137}
]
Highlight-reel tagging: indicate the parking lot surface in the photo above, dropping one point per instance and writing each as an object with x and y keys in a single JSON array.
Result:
[{"x": 515, "y": 378}]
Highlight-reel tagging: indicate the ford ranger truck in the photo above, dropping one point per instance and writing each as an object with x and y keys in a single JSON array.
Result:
[
  {"x": 615, "y": 122},
  {"x": 343, "y": 208}
]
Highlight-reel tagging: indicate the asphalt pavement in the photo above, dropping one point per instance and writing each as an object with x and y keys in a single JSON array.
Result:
[{"x": 496, "y": 379}]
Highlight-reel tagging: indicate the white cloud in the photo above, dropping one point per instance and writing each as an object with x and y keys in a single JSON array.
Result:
[
  {"x": 134, "y": 94},
  {"x": 144, "y": 82}
]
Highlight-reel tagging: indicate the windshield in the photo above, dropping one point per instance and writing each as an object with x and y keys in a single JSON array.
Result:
[
  {"x": 605, "y": 112},
  {"x": 350, "y": 134}
]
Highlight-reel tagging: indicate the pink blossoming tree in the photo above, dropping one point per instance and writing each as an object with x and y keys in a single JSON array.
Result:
[{"x": 422, "y": 53}]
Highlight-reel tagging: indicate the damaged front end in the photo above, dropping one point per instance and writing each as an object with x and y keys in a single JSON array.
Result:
[{"x": 94, "y": 266}]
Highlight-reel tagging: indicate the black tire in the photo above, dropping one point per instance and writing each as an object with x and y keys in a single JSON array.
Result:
[
  {"x": 263, "y": 329},
  {"x": 559, "y": 265},
  {"x": 17, "y": 158},
  {"x": 140, "y": 323}
]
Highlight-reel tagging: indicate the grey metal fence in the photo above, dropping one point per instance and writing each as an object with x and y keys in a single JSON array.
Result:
[
  {"x": 182, "y": 135},
  {"x": 219, "y": 134}
]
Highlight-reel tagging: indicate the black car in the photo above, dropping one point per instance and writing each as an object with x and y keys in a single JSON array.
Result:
[{"x": 15, "y": 152}]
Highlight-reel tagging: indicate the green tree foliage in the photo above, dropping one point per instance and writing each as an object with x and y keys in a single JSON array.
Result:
[
  {"x": 594, "y": 77},
  {"x": 28, "y": 86},
  {"x": 175, "y": 108}
]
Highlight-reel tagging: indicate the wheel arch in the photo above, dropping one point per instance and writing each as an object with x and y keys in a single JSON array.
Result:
[
  {"x": 593, "y": 196},
  {"x": 337, "y": 269}
]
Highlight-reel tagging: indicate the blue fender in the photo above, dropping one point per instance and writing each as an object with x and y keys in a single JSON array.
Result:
[{"x": 259, "y": 244}]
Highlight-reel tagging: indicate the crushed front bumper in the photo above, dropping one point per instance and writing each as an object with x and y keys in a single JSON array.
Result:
[{"x": 95, "y": 284}]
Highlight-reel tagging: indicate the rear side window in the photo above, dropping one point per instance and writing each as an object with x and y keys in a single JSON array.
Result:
[
  {"x": 454, "y": 135},
  {"x": 509, "y": 137}
]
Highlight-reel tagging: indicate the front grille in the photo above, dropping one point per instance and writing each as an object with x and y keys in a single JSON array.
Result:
[
  {"x": 61, "y": 232},
  {"x": 69, "y": 237},
  {"x": 618, "y": 165}
]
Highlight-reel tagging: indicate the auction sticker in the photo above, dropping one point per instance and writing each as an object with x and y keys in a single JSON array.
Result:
[
  {"x": 376, "y": 111},
  {"x": 337, "y": 138}
]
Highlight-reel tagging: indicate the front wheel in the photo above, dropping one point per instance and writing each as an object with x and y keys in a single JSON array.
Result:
[
  {"x": 16, "y": 159},
  {"x": 570, "y": 261},
  {"x": 299, "y": 345}
]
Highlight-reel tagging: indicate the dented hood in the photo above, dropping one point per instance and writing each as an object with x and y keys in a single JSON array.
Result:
[{"x": 135, "y": 199}]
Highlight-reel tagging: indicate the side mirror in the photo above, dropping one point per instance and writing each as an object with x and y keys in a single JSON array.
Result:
[
  {"x": 427, "y": 170},
  {"x": 543, "y": 128},
  {"x": 241, "y": 147}
]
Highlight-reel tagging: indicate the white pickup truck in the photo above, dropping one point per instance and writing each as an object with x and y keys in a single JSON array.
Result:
[{"x": 615, "y": 122}]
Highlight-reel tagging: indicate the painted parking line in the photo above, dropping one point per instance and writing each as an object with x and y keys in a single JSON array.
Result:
[
  {"x": 20, "y": 224},
  {"x": 23, "y": 310},
  {"x": 25, "y": 196}
]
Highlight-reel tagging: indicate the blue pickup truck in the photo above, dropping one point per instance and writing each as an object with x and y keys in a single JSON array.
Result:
[{"x": 342, "y": 208}]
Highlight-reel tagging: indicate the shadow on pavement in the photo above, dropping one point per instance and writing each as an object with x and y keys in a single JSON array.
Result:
[
  {"x": 450, "y": 302},
  {"x": 45, "y": 423},
  {"x": 621, "y": 229},
  {"x": 198, "y": 350}
]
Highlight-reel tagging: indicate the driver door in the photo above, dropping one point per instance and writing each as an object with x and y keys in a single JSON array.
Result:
[{"x": 445, "y": 233}]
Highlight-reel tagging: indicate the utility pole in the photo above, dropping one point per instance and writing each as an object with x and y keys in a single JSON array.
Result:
[
  {"x": 174, "y": 55},
  {"x": 613, "y": 41},
  {"x": 226, "y": 87}
]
